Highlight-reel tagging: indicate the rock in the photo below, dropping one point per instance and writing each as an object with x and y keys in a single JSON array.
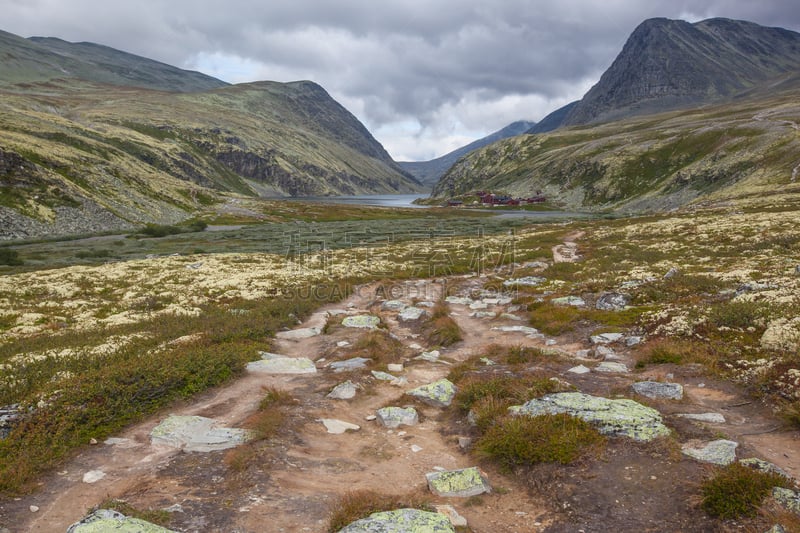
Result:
[
  {"x": 10, "y": 416},
  {"x": 657, "y": 390},
  {"x": 465, "y": 443},
  {"x": 415, "y": 448},
  {"x": 409, "y": 314},
  {"x": 764, "y": 466},
  {"x": 711, "y": 418},
  {"x": 753, "y": 286},
  {"x": 782, "y": 334},
  {"x": 458, "y": 300},
  {"x": 383, "y": 376},
  {"x": 612, "y": 301},
  {"x": 449, "y": 511},
  {"x": 606, "y": 338},
  {"x": 528, "y": 281},
  {"x": 393, "y": 305},
  {"x": 401, "y": 521},
  {"x": 574, "y": 301},
  {"x": 196, "y": 434},
  {"x": 458, "y": 483},
  {"x": 790, "y": 499},
  {"x": 602, "y": 351},
  {"x": 488, "y": 362},
  {"x": 93, "y": 476},
  {"x": 478, "y": 305},
  {"x": 297, "y": 334},
  {"x": 361, "y": 321},
  {"x": 509, "y": 316},
  {"x": 632, "y": 341},
  {"x": 483, "y": 314},
  {"x": 342, "y": 344},
  {"x": 394, "y": 367},
  {"x": 580, "y": 369},
  {"x": 606, "y": 366},
  {"x": 392, "y": 417},
  {"x": 527, "y": 330},
  {"x": 104, "y": 520},
  {"x": 671, "y": 273},
  {"x": 583, "y": 354},
  {"x": 338, "y": 427},
  {"x": 777, "y": 528},
  {"x": 718, "y": 452},
  {"x": 355, "y": 363},
  {"x": 426, "y": 304},
  {"x": 621, "y": 417},
  {"x": 34, "y": 508},
  {"x": 438, "y": 394},
  {"x": 271, "y": 363},
  {"x": 343, "y": 391},
  {"x": 431, "y": 357}
]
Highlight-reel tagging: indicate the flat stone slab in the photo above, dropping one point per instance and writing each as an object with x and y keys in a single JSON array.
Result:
[
  {"x": 711, "y": 418},
  {"x": 271, "y": 363},
  {"x": 394, "y": 305},
  {"x": 527, "y": 281},
  {"x": 574, "y": 301},
  {"x": 409, "y": 314},
  {"x": 580, "y": 369},
  {"x": 457, "y": 300},
  {"x": 527, "y": 330},
  {"x": 392, "y": 417},
  {"x": 343, "y": 391},
  {"x": 298, "y": 334},
  {"x": 606, "y": 338},
  {"x": 93, "y": 476},
  {"x": 105, "y": 520},
  {"x": 657, "y": 390},
  {"x": 438, "y": 394},
  {"x": 718, "y": 452},
  {"x": 431, "y": 357},
  {"x": 338, "y": 427},
  {"x": 356, "y": 363},
  {"x": 384, "y": 376},
  {"x": 197, "y": 434},
  {"x": 607, "y": 366},
  {"x": 622, "y": 417},
  {"x": 401, "y": 521},
  {"x": 478, "y": 305},
  {"x": 483, "y": 314},
  {"x": 361, "y": 321},
  {"x": 461, "y": 483}
]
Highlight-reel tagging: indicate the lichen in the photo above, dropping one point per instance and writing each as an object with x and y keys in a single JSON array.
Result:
[
  {"x": 438, "y": 394},
  {"x": 401, "y": 521},
  {"x": 463, "y": 483}
]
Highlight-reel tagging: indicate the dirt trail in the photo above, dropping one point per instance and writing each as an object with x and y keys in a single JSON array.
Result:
[{"x": 308, "y": 469}]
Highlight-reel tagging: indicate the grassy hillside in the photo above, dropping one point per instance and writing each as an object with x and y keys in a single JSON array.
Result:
[{"x": 746, "y": 149}]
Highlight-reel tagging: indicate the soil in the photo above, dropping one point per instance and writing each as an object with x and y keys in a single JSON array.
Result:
[{"x": 294, "y": 480}]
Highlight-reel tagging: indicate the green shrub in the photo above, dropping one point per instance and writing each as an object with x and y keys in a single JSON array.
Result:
[
  {"x": 736, "y": 490},
  {"x": 158, "y": 230},
  {"x": 9, "y": 257},
  {"x": 524, "y": 440},
  {"x": 736, "y": 314}
]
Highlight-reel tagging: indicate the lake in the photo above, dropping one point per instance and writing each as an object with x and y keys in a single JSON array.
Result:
[{"x": 383, "y": 200}]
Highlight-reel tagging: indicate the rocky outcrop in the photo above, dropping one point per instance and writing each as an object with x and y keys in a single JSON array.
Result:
[{"x": 104, "y": 520}]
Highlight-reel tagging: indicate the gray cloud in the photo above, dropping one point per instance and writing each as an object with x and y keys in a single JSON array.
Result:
[{"x": 424, "y": 75}]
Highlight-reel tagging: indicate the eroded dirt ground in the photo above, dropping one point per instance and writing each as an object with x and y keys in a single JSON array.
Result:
[{"x": 298, "y": 476}]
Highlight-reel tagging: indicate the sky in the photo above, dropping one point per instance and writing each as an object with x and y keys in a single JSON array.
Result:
[{"x": 424, "y": 76}]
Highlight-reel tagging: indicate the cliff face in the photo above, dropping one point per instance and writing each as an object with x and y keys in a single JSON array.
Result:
[{"x": 668, "y": 64}]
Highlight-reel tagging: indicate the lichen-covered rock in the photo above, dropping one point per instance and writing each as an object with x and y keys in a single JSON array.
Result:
[
  {"x": 573, "y": 301},
  {"x": 392, "y": 417},
  {"x": 197, "y": 434},
  {"x": 271, "y": 363},
  {"x": 580, "y": 369},
  {"x": 658, "y": 390},
  {"x": 104, "y": 520},
  {"x": 393, "y": 305},
  {"x": 410, "y": 314},
  {"x": 384, "y": 376},
  {"x": 764, "y": 466},
  {"x": 788, "y": 498},
  {"x": 355, "y": 363},
  {"x": 782, "y": 334},
  {"x": 361, "y": 321},
  {"x": 458, "y": 483},
  {"x": 528, "y": 281},
  {"x": 718, "y": 452},
  {"x": 401, "y": 521},
  {"x": 621, "y": 417},
  {"x": 611, "y": 367},
  {"x": 612, "y": 301},
  {"x": 438, "y": 394}
]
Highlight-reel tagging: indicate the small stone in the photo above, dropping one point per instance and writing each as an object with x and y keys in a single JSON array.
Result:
[
  {"x": 711, "y": 418},
  {"x": 465, "y": 443},
  {"x": 361, "y": 321},
  {"x": 475, "y": 306},
  {"x": 338, "y": 427},
  {"x": 393, "y": 417},
  {"x": 343, "y": 391},
  {"x": 633, "y": 341},
  {"x": 580, "y": 369},
  {"x": 788, "y": 498},
  {"x": 483, "y": 314},
  {"x": 410, "y": 314},
  {"x": 370, "y": 418},
  {"x": 550, "y": 342},
  {"x": 393, "y": 305},
  {"x": 92, "y": 441},
  {"x": 431, "y": 357},
  {"x": 657, "y": 390},
  {"x": 415, "y": 448},
  {"x": 34, "y": 508},
  {"x": 671, "y": 273},
  {"x": 461, "y": 483},
  {"x": 509, "y": 316},
  {"x": 605, "y": 366},
  {"x": 488, "y": 362},
  {"x": 437, "y": 394},
  {"x": 583, "y": 354},
  {"x": 394, "y": 367},
  {"x": 449, "y": 511},
  {"x": 342, "y": 344},
  {"x": 718, "y": 452},
  {"x": 93, "y": 476},
  {"x": 527, "y": 330},
  {"x": 602, "y": 351}
]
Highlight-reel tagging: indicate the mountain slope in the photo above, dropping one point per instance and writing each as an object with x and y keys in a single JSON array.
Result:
[
  {"x": 429, "y": 172},
  {"x": 79, "y": 154},
  {"x": 669, "y": 64}
]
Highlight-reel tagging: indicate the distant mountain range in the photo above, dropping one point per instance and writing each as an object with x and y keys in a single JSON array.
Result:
[
  {"x": 429, "y": 172},
  {"x": 686, "y": 112},
  {"x": 92, "y": 138}
]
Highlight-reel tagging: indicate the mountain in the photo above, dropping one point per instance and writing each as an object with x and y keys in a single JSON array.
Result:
[
  {"x": 554, "y": 120},
  {"x": 95, "y": 139},
  {"x": 429, "y": 172},
  {"x": 672, "y": 64}
]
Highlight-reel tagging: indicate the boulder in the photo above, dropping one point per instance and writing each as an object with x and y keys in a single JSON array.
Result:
[
  {"x": 401, "y": 521},
  {"x": 271, "y": 363},
  {"x": 343, "y": 391},
  {"x": 718, "y": 452},
  {"x": 612, "y": 301},
  {"x": 104, "y": 520},
  {"x": 355, "y": 363},
  {"x": 197, "y": 434},
  {"x": 361, "y": 321},
  {"x": 409, "y": 314},
  {"x": 620, "y": 417},
  {"x": 392, "y": 417},
  {"x": 657, "y": 390},
  {"x": 438, "y": 394},
  {"x": 461, "y": 483}
]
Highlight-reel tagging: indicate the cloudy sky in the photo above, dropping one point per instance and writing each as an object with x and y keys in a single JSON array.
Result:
[{"x": 425, "y": 76}]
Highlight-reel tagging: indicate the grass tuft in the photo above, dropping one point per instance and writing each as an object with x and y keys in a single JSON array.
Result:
[
  {"x": 737, "y": 491},
  {"x": 355, "y": 505}
]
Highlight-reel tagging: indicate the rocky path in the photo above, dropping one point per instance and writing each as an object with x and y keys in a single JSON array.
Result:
[{"x": 308, "y": 467}]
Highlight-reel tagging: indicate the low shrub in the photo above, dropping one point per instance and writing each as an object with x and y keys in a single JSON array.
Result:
[
  {"x": 738, "y": 314},
  {"x": 442, "y": 331},
  {"x": 356, "y": 505},
  {"x": 9, "y": 257},
  {"x": 554, "y": 319},
  {"x": 736, "y": 491}
]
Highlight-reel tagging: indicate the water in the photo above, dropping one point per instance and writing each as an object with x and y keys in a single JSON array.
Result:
[{"x": 383, "y": 200}]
